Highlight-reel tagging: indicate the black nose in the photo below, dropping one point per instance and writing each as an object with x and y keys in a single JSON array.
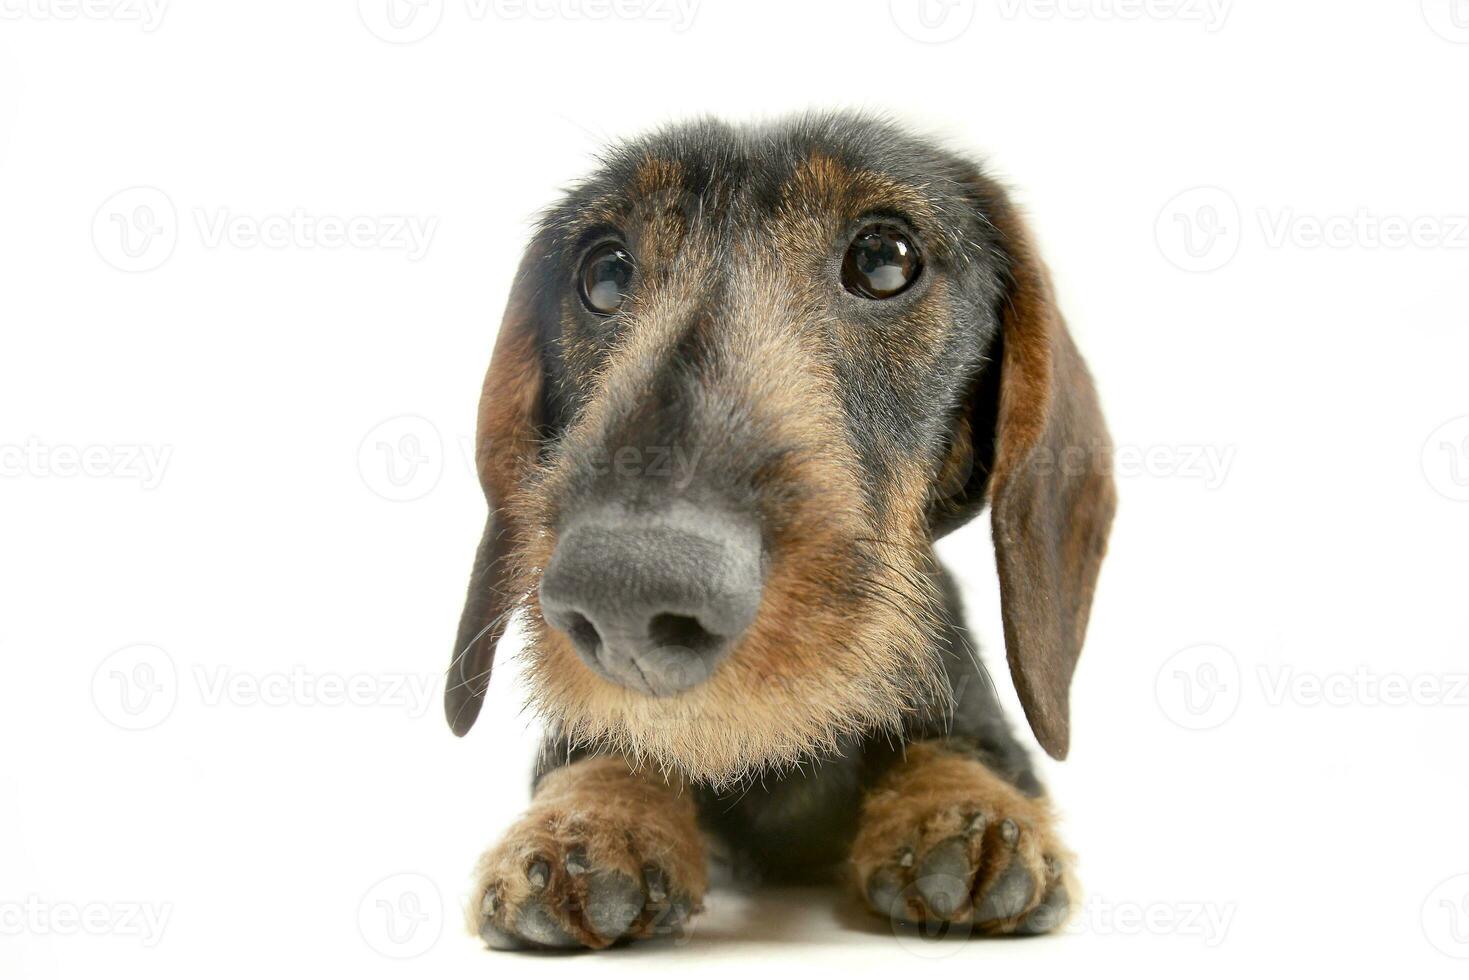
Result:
[{"x": 653, "y": 601}]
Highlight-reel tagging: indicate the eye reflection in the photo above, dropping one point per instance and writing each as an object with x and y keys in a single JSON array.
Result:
[
  {"x": 880, "y": 263},
  {"x": 605, "y": 277}
]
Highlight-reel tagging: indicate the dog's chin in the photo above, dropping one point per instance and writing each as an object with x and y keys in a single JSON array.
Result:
[{"x": 739, "y": 724}]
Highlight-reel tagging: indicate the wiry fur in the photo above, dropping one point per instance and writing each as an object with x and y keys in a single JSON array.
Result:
[{"x": 853, "y": 433}]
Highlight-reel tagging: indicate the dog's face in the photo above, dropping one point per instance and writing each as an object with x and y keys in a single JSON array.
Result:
[{"x": 745, "y": 378}]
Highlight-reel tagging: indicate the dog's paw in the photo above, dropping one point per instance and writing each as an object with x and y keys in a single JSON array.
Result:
[
  {"x": 589, "y": 867},
  {"x": 951, "y": 843}
]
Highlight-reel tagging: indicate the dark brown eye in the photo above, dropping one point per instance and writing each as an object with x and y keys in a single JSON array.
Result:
[
  {"x": 881, "y": 262},
  {"x": 605, "y": 277}
]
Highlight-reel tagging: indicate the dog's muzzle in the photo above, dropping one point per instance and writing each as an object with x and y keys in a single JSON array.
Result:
[{"x": 654, "y": 601}]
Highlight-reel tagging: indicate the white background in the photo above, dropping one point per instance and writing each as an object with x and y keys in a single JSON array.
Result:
[{"x": 1250, "y": 786}]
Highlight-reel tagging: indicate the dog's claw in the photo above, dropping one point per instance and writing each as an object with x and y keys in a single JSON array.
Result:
[
  {"x": 943, "y": 876},
  {"x": 1008, "y": 896},
  {"x": 538, "y": 924},
  {"x": 1048, "y": 915},
  {"x": 656, "y": 884},
  {"x": 496, "y": 938},
  {"x": 576, "y": 861},
  {"x": 884, "y": 889},
  {"x": 613, "y": 901}
]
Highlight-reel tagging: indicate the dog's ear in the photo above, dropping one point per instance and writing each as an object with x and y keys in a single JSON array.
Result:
[
  {"x": 507, "y": 441},
  {"x": 1039, "y": 452}
]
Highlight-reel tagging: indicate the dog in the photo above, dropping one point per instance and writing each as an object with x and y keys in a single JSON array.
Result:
[{"x": 746, "y": 377}]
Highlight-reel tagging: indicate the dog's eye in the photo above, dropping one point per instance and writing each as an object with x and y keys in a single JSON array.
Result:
[
  {"x": 605, "y": 276},
  {"x": 881, "y": 262}
]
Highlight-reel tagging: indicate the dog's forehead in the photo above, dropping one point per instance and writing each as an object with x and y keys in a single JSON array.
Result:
[{"x": 740, "y": 177}]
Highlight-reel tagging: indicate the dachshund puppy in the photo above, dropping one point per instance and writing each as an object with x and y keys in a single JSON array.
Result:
[{"x": 746, "y": 377}]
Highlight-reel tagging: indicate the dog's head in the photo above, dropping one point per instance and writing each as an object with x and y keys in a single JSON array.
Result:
[{"x": 746, "y": 377}]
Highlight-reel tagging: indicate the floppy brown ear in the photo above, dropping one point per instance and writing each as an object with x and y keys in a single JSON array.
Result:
[
  {"x": 1051, "y": 491},
  {"x": 506, "y": 444}
]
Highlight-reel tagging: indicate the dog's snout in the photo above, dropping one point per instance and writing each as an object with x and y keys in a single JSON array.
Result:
[{"x": 654, "y": 601}]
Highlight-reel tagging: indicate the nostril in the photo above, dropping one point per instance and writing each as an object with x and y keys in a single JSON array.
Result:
[
  {"x": 582, "y": 632},
  {"x": 685, "y": 632}
]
